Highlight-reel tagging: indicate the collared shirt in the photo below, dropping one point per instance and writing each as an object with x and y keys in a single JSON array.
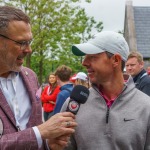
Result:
[
  {"x": 109, "y": 102},
  {"x": 18, "y": 99}
]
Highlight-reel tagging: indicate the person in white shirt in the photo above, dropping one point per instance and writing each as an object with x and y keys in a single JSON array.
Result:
[{"x": 21, "y": 126}]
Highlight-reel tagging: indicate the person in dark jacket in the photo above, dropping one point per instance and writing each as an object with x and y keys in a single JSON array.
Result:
[
  {"x": 135, "y": 67},
  {"x": 63, "y": 74}
]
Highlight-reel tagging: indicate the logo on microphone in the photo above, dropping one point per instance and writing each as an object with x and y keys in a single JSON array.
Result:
[
  {"x": 73, "y": 106},
  {"x": 84, "y": 94}
]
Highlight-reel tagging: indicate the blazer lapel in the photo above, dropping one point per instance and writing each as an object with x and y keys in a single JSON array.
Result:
[
  {"x": 6, "y": 108},
  {"x": 31, "y": 88},
  {"x": 26, "y": 77}
]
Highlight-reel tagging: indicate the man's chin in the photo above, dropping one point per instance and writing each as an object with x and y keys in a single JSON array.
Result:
[
  {"x": 92, "y": 81},
  {"x": 17, "y": 68}
]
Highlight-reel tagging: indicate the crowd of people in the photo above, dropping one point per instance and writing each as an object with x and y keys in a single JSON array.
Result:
[
  {"x": 116, "y": 115},
  {"x": 134, "y": 66},
  {"x": 59, "y": 89}
]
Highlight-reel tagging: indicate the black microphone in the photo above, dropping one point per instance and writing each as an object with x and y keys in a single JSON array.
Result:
[{"x": 78, "y": 96}]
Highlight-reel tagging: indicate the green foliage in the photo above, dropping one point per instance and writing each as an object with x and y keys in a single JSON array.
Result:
[{"x": 56, "y": 25}]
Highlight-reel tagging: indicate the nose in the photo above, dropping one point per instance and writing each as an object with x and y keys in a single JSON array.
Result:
[{"x": 28, "y": 49}]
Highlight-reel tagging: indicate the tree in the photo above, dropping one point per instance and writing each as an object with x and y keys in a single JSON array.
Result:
[{"x": 56, "y": 25}]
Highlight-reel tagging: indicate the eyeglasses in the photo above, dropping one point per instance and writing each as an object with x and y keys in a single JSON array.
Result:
[{"x": 23, "y": 44}]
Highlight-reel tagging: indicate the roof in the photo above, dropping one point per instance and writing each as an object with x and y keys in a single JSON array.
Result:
[{"x": 142, "y": 28}]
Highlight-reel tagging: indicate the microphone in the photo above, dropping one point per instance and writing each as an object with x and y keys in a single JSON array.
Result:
[{"x": 78, "y": 96}]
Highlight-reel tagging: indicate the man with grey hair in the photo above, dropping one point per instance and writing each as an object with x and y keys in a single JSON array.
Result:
[
  {"x": 135, "y": 68},
  {"x": 21, "y": 126},
  {"x": 116, "y": 115}
]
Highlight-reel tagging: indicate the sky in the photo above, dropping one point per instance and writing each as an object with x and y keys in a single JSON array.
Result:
[{"x": 110, "y": 12}]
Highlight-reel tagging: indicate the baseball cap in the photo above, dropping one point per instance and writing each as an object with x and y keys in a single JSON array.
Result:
[
  {"x": 71, "y": 78},
  {"x": 109, "y": 41},
  {"x": 80, "y": 75}
]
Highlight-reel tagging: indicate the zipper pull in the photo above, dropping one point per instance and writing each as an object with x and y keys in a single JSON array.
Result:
[{"x": 107, "y": 115}]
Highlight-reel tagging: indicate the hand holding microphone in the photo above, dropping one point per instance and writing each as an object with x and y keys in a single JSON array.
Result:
[{"x": 78, "y": 96}]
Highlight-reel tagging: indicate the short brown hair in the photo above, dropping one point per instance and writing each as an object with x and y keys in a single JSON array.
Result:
[
  {"x": 63, "y": 72},
  {"x": 136, "y": 55},
  {"x": 8, "y": 14}
]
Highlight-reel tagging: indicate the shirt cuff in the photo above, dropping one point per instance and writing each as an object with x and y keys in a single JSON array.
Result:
[
  {"x": 38, "y": 136},
  {"x": 47, "y": 145}
]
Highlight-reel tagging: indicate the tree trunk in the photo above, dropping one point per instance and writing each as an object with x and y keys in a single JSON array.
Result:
[{"x": 40, "y": 71}]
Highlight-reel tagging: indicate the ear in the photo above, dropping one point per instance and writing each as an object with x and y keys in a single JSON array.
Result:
[
  {"x": 141, "y": 64},
  {"x": 116, "y": 59}
]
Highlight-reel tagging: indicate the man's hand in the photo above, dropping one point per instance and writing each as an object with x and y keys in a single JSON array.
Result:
[
  {"x": 61, "y": 124},
  {"x": 59, "y": 143}
]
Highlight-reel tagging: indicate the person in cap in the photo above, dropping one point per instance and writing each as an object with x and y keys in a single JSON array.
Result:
[
  {"x": 116, "y": 115},
  {"x": 81, "y": 79},
  {"x": 135, "y": 67},
  {"x": 72, "y": 80}
]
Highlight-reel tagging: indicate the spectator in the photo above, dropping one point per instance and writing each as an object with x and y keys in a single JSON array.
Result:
[
  {"x": 49, "y": 96},
  {"x": 21, "y": 126},
  {"x": 72, "y": 80},
  {"x": 116, "y": 115},
  {"x": 135, "y": 67},
  {"x": 81, "y": 79},
  {"x": 148, "y": 71},
  {"x": 63, "y": 74}
]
